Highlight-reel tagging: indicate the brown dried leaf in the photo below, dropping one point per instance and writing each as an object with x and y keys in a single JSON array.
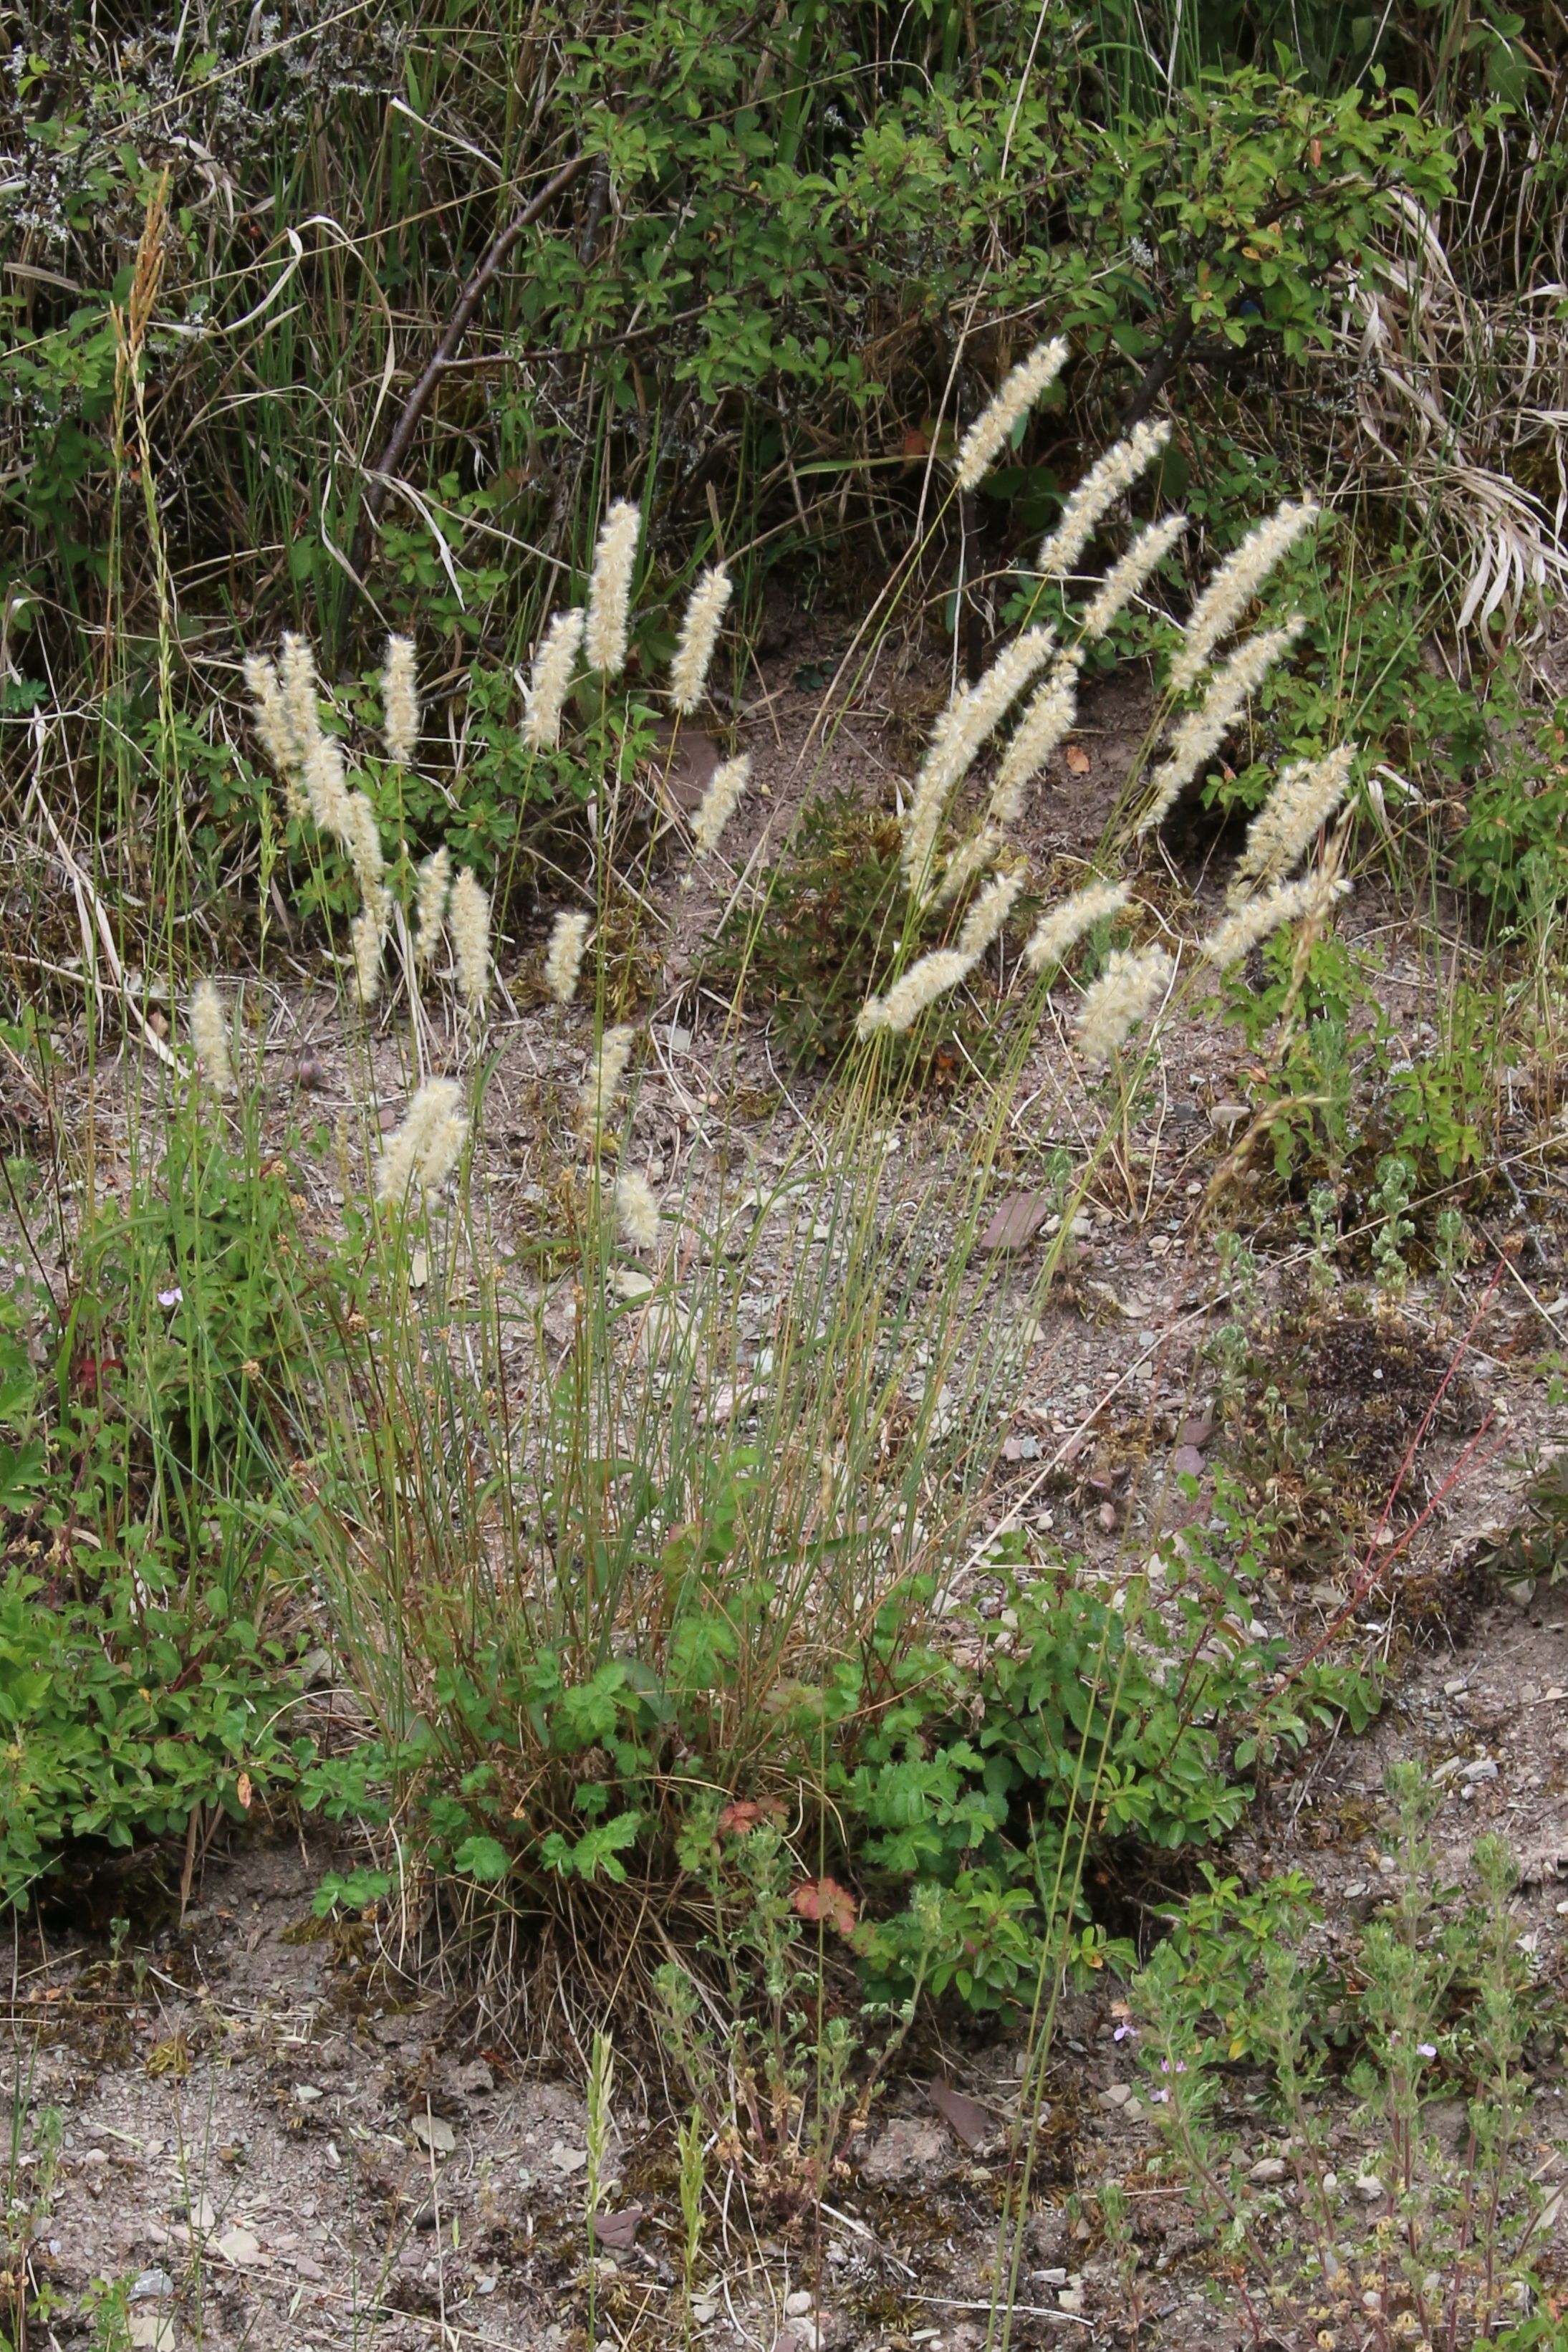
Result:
[{"x": 962, "y": 2115}]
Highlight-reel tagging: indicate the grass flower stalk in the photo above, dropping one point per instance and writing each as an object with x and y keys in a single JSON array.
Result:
[
  {"x": 606, "y": 1069},
  {"x": 1008, "y": 406},
  {"x": 468, "y": 920},
  {"x": 983, "y": 923},
  {"x": 703, "y": 618},
  {"x": 636, "y": 1208},
  {"x": 1201, "y": 732},
  {"x": 1058, "y": 932},
  {"x": 605, "y": 630},
  {"x": 420, "y": 1149},
  {"x": 210, "y": 1037},
  {"x": 399, "y": 701},
  {"x": 1125, "y": 994},
  {"x": 1257, "y": 920},
  {"x": 430, "y": 902},
  {"x": 910, "y": 996},
  {"x": 563, "y": 956},
  {"x": 976, "y": 853},
  {"x": 1124, "y": 579},
  {"x": 555, "y": 666},
  {"x": 1111, "y": 478},
  {"x": 955, "y": 741},
  {"x": 367, "y": 937},
  {"x": 719, "y": 803},
  {"x": 1047, "y": 721},
  {"x": 1234, "y": 586},
  {"x": 1306, "y": 796}
]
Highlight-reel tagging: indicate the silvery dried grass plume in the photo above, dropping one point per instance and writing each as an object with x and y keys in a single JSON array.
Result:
[
  {"x": 699, "y": 635},
  {"x": 971, "y": 858},
  {"x": 1047, "y": 719},
  {"x": 399, "y": 701},
  {"x": 1292, "y": 816},
  {"x": 1202, "y": 731},
  {"x": 430, "y": 904},
  {"x": 955, "y": 741},
  {"x": 327, "y": 786},
  {"x": 908, "y": 998},
  {"x": 984, "y": 921},
  {"x": 1099, "y": 491},
  {"x": 554, "y": 666},
  {"x": 1013, "y": 399},
  {"x": 297, "y": 682},
  {"x": 606, "y": 1068},
  {"x": 563, "y": 957},
  {"x": 367, "y": 937},
  {"x": 270, "y": 716},
  {"x": 610, "y": 588},
  {"x": 1060, "y": 931},
  {"x": 1125, "y": 994},
  {"x": 1124, "y": 579},
  {"x": 468, "y": 920},
  {"x": 361, "y": 837},
  {"x": 420, "y": 1149},
  {"x": 1234, "y": 586},
  {"x": 210, "y": 1037},
  {"x": 1257, "y": 920},
  {"x": 636, "y": 1208},
  {"x": 719, "y": 803}
]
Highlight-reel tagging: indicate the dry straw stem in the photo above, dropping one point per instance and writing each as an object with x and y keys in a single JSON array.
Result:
[
  {"x": 1257, "y": 920},
  {"x": 1047, "y": 720},
  {"x": 399, "y": 701},
  {"x": 610, "y": 588},
  {"x": 699, "y": 635},
  {"x": 423, "y": 1149},
  {"x": 430, "y": 904},
  {"x": 1124, "y": 579},
  {"x": 606, "y": 1068},
  {"x": 1126, "y": 991},
  {"x": 636, "y": 1208},
  {"x": 1013, "y": 401},
  {"x": 719, "y": 803},
  {"x": 1202, "y": 731},
  {"x": 563, "y": 957},
  {"x": 468, "y": 920},
  {"x": 1060, "y": 931},
  {"x": 210, "y": 1037},
  {"x": 1234, "y": 586},
  {"x": 1301, "y": 805},
  {"x": 555, "y": 666},
  {"x": 1104, "y": 483},
  {"x": 955, "y": 740}
]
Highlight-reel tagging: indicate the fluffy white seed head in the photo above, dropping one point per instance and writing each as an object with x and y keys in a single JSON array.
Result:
[
  {"x": 269, "y": 715},
  {"x": 555, "y": 666},
  {"x": 417, "y": 1147},
  {"x": 210, "y": 1037},
  {"x": 955, "y": 741},
  {"x": 327, "y": 786},
  {"x": 442, "y": 1152},
  {"x": 973, "y": 858},
  {"x": 908, "y": 998},
  {"x": 1301, "y": 805},
  {"x": 1201, "y": 732},
  {"x": 636, "y": 1208},
  {"x": 429, "y": 905},
  {"x": 1124, "y": 579},
  {"x": 1096, "y": 494},
  {"x": 1058, "y": 932},
  {"x": 400, "y": 700},
  {"x": 1257, "y": 920},
  {"x": 610, "y": 588},
  {"x": 297, "y": 683},
  {"x": 367, "y": 936},
  {"x": 719, "y": 803},
  {"x": 468, "y": 920},
  {"x": 1047, "y": 721},
  {"x": 606, "y": 1068},
  {"x": 699, "y": 635},
  {"x": 1127, "y": 992},
  {"x": 1013, "y": 399},
  {"x": 361, "y": 838},
  {"x": 563, "y": 957},
  {"x": 1234, "y": 586},
  {"x": 984, "y": 921}
]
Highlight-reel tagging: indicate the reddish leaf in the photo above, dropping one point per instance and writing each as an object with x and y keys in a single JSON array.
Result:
[
  {"x": 743, "y": 1814},
  {"x": 962, "y": 2115},
  {"x": 825, "y": 1899},
  {"x": 917, "y": 443}
]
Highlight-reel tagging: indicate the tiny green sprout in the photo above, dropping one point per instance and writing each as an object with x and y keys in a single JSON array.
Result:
[
  {"x": 1391, "y": 1201},
  {"x": 1453, "y": 1246}
]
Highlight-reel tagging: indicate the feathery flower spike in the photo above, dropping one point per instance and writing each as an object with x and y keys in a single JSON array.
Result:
[
  {"x": 399, "y": 701},
  {"x": 719, "y": 803},
  {"x": 636, "y": 1208},
  {"x": 699, "y": 635},
  {"x": 908, "y": 998},
  {"x": 430, "y": 905},
  {"x": 971, "y": 858},
  {"x": 468, "y": 920},
  {"x": 610, "y": 588},
  {"x": 1257, "y": 920},
  {"x": 327, "y": 786},
  {"x": 1124, "y": 579},
  {"x": 361, "y": 838},
  {"x": 1202, "y": 731},
  {"x": 367, "y": 936},
  {"x": 554, "y": 666},
  {"x": 606, "y": 1068},
  {"x": 297, "y": 683},
  {"x": 1103, "y": 484},
  {"x": 563, "y": 957},
  {"x": 955, "y": 740},
  {"x": 1057, "y": 933},
  {"x": 1047, "y": 718},
  {"x": 1125, "y": 994},
  {"x": 1013, "y": 399},
  {"x": 1233, "y": 587},
  {"x": 984, "y": 921},
  {"x": 1290, "y": 819},
  {"x": 210, "y": 1037},
  {"x": 442, "y": 1152},
  {"x": 407, "y": 1152}
]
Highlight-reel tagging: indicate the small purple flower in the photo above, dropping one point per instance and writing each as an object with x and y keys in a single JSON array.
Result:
[
  {"x": 171, "y": 1297},
  {"x": 1159, "y": 2097},
  {"x": 1427, "y": 2049},
  {"x": 1122, "y": 2032}
]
